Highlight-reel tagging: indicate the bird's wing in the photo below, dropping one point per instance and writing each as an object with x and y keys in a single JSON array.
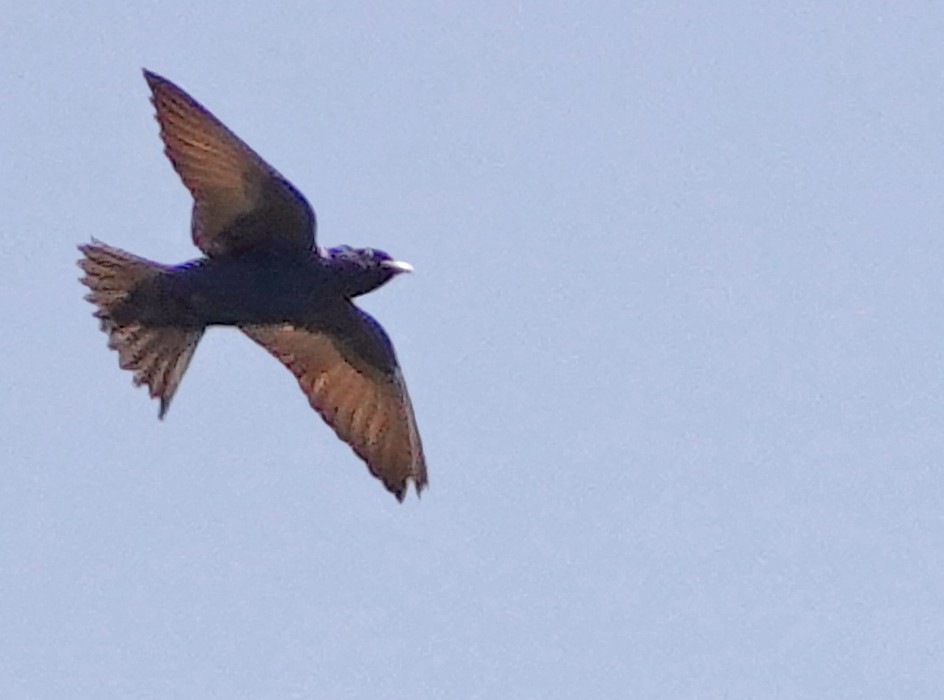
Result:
[
  {"x": 240, "y": 201},
  {"x": 347, "y": 369}
]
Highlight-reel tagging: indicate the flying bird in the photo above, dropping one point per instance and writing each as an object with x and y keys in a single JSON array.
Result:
[{"x": 261, "y": 272}]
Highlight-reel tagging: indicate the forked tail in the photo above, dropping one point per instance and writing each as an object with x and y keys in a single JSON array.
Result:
[{"x": 157, "y": 355}]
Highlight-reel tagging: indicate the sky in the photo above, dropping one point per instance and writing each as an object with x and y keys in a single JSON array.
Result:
[{"x": 674, "y": 344}]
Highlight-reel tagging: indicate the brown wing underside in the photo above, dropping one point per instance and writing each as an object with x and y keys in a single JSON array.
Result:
[
  {"x": 240, "y": 201},
  {"x": 367, "y": 407}
]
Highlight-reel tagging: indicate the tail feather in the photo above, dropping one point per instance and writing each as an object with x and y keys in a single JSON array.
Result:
[{"x": 157, "y": 355}]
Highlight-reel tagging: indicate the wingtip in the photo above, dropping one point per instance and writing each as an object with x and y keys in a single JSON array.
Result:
[
  {"x": 420, "y": 476},
  {"x": 155, "y": 82},
  {"x": 401, "y": 490}
]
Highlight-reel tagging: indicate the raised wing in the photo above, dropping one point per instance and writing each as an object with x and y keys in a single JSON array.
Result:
[
  {"x": 351, "y": 377},
  {"x": 240, "y": 201}
]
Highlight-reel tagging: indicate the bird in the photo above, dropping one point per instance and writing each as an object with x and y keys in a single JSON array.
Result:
[{"x": 262, "y": 272}]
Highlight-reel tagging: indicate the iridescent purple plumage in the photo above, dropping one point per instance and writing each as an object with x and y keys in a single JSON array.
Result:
[{"x": 262, "y": 273}]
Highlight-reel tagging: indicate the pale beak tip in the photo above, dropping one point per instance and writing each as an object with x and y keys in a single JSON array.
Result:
[{"x": 397, "y": 265}]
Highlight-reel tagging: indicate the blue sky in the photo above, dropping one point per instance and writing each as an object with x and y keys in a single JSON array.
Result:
[{"x": 674, "y": 345}]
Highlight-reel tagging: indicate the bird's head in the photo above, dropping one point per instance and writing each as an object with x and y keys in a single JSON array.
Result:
[{"x": 361, "y": 270}]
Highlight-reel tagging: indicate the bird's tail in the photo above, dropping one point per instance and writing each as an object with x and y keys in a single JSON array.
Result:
[{"x": 157, "y": 355}]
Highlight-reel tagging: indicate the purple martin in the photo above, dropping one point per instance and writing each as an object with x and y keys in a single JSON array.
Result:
[{"x": 262, "y": 273}]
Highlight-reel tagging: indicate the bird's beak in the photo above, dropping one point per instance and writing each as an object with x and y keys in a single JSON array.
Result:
[{"x": 397, "y": 265}]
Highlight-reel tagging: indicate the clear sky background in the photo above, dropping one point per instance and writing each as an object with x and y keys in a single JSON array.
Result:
[{"x": 674, "y": 343}]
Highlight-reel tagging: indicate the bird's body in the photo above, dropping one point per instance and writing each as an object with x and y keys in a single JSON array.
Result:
[
  {"x": 235, "y": 290},
  {"x": 263, "y": 274}
]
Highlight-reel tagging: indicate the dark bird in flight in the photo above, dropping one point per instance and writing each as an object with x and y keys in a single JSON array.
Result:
[{"x": 262, "y": 273}]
